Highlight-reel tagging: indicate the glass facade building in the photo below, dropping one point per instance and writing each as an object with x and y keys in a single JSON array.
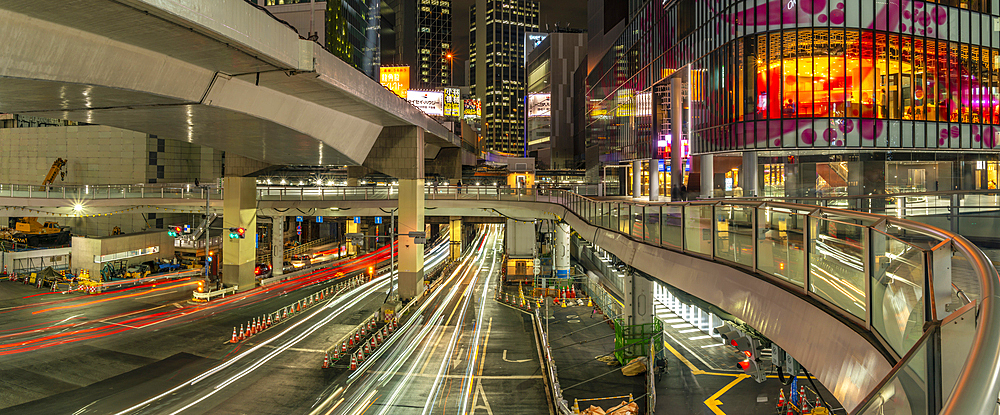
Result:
[
  {"x": 352, "y": 33},
  {"x": 434, "y": 43},
  {"x": 840, "y": 96},
  {"x": 497, "y": 64}
]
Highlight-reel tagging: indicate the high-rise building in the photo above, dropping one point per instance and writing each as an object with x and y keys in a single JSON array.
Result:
[
  {"x": 347, "y": 28},
  {"x": 497, "y": 62},
  {"x": 353, "y": 33},
  {"x": 422, "y": 30},
  {"x": 551, "y": 88}
]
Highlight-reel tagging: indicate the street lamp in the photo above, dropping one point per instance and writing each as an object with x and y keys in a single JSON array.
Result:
[{"x": 451, "y": 69}]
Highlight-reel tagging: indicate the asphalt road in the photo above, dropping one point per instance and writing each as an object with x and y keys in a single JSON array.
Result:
[
  {"x": 60, "y": 353},
  {"x": 458, "y": 351}
]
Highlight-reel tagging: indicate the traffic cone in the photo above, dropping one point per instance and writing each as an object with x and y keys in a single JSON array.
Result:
[
  {"x": 357, "y": 337},
  {"x": 395, "y": 323},
  {"x": 368, "y": 349},
  {"x": 269, "y": 323},
  {"x": 298, "y": 307},
  {"x": 529, "y": 305},
  {"x": 350, "y": 341},
  {"x": 326, "y": 360},
  {"x": 363, "y": 332},
  {"x": 343, "y": 347},
  {"x": 802, "y": 398},
  {"x": 564, "y": 304},
  {"x": 790, "y": 411},
  {"x": 819, "y": 403},
  {"x": 379, "y": 337},
  {"x": 336, "y": 353},
  {"x": 354, "y": 363},
  {"x": 590, "y": 303},
  {"x": 781, "y": 399},
  {"x": 235, "y": 339},
  {"x": 240, "y": 337},
  {"x": 249, "y": 331}
]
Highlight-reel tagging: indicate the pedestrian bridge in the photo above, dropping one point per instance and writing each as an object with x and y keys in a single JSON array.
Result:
[
  {"x": 890, "y": 314},
  {"x": 222, "y": 74}
]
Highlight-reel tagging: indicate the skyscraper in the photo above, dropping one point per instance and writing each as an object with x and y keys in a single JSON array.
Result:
[
  {"x": 497, "y": 62},
  {"x": 352, "y": 33},
  {"x": 422, "y": 30}
]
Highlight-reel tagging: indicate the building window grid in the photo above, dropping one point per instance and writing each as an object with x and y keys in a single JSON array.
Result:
[{"x": 602, "y": 86}]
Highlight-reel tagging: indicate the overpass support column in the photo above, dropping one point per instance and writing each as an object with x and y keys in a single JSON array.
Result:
[
  {"x": 399, "y": 152},
  {"x": 239, "y": 209},
  {"x": 455, "y": 230},
  {"x": 411, "y": 255},
  {"x": 638, "y": 299},
  {"x": 562, "y": 250},
  {"x": 277, "y": 245}
]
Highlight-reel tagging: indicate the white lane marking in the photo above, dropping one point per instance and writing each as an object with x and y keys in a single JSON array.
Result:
[
  {"x": 475, "y": 400},
  {"x": 699, "y": 337},
  {"x": 712, "y": 345},
  {"x": 677, "y": 326},
  {"x": 178, "y": 305},
  {"x": 294, "y": 349},
  {"x": 689, "y": 331},
  {"x": 513, "y": 361},
  {"x": 674, "y": 320}
]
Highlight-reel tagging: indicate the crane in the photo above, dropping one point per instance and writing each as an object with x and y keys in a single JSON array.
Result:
[{"x": 57, "y": 169}]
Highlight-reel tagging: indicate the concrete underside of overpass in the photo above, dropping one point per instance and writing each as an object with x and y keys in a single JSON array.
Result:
[{"x": 220, "y": 74}]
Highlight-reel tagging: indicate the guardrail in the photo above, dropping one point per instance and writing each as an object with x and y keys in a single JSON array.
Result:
[
  {"x": 561, "y": 405},
  {"x": 208, "y": 296}
]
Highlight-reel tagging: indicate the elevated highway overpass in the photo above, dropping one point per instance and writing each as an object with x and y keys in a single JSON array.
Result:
[
  {"x": 885, "y": 312},
  {"x": 222, "y": 74}
]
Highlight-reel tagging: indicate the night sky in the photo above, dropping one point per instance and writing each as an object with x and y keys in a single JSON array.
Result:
[{"x": 573, "y": 12}]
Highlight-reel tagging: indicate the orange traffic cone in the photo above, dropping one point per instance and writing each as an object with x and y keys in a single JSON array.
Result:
[
  {"x": 354, "y": 363},
  {"x": 395, "y": 323},
  {"x": 781, "y": 399},
  {"x": 350, "y": 341},
  {"x": 803, "y": 402},
  {"x": 357, "y": 337},
  {"x": 326, "y": 360},
  {"x": 368, "y": 349},
  {"x": 269, "y": 320},
  {"x": 819, "y": 403},
  {"x": 235, "y": 338},
  {"x": 248, "y": 332},
  {"x": 378, "y": 337},
  {"x": 343, "y": 347},
  {"x": 298, "y": 306},
  {"x": 790, "y": 411},
  {"x": 336, "y": 353}
]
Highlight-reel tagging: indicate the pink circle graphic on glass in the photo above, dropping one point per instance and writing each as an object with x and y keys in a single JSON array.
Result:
[
  {"x": 829, "y": 134},
  {"x": 870, "y": 129},
  {"x": 847, "y": 126},
  {"x": 837, "y": 16},
  {"x": 812, "y": 6},
  {"x": 821, "y": 18},
  {"x": 955, "y": 131},
  {"x": 808, "y": 136}
]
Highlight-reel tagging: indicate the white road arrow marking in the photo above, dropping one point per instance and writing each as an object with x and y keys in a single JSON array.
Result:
[{"x": 513, "y": 361}]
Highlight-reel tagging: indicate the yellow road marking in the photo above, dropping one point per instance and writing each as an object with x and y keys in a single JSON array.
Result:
[
  {"x": 485, "y": 342},
  {"x": 713, "y": 401},
  {"x": 694, "y": 370},
  {"x": 458, "y": 303}
]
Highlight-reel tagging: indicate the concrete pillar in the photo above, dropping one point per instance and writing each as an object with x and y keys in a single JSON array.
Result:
[
  {"x": 411, "y": 255},
  {"x": 561, "y": 254},
  {"x": 707, "y": 175},
  {"x": 455, "y": 230},
  {"x": 638, "y": 299},
  {"x": 654, "y": 180},
  {"x": 354, "y": 173},
  {"x": 277, "y": 245},
  {"x": 239, "y": 209},
  {"x": 637, "y": 179},
  {"x": 676, "y": 134},
  {"x": 399, "y": 152},
  {"x": 748, "y": 174},
  {"x": 352, "y": 228}
]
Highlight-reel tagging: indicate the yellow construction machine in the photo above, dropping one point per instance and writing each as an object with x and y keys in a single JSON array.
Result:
[{"x": 56, "y": 170}]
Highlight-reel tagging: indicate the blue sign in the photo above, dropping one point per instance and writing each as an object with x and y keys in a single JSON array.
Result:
[
  {"x": 795, "y": 388},
  {"x": 187, "y": 228},
  {"x": 357, "y": 219},
  {"x": 319, "y": 219},
  {"x": 378, "y": 220},
  {"x": 298, "y": 219},
  {"x": 298, "y": 229}
]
